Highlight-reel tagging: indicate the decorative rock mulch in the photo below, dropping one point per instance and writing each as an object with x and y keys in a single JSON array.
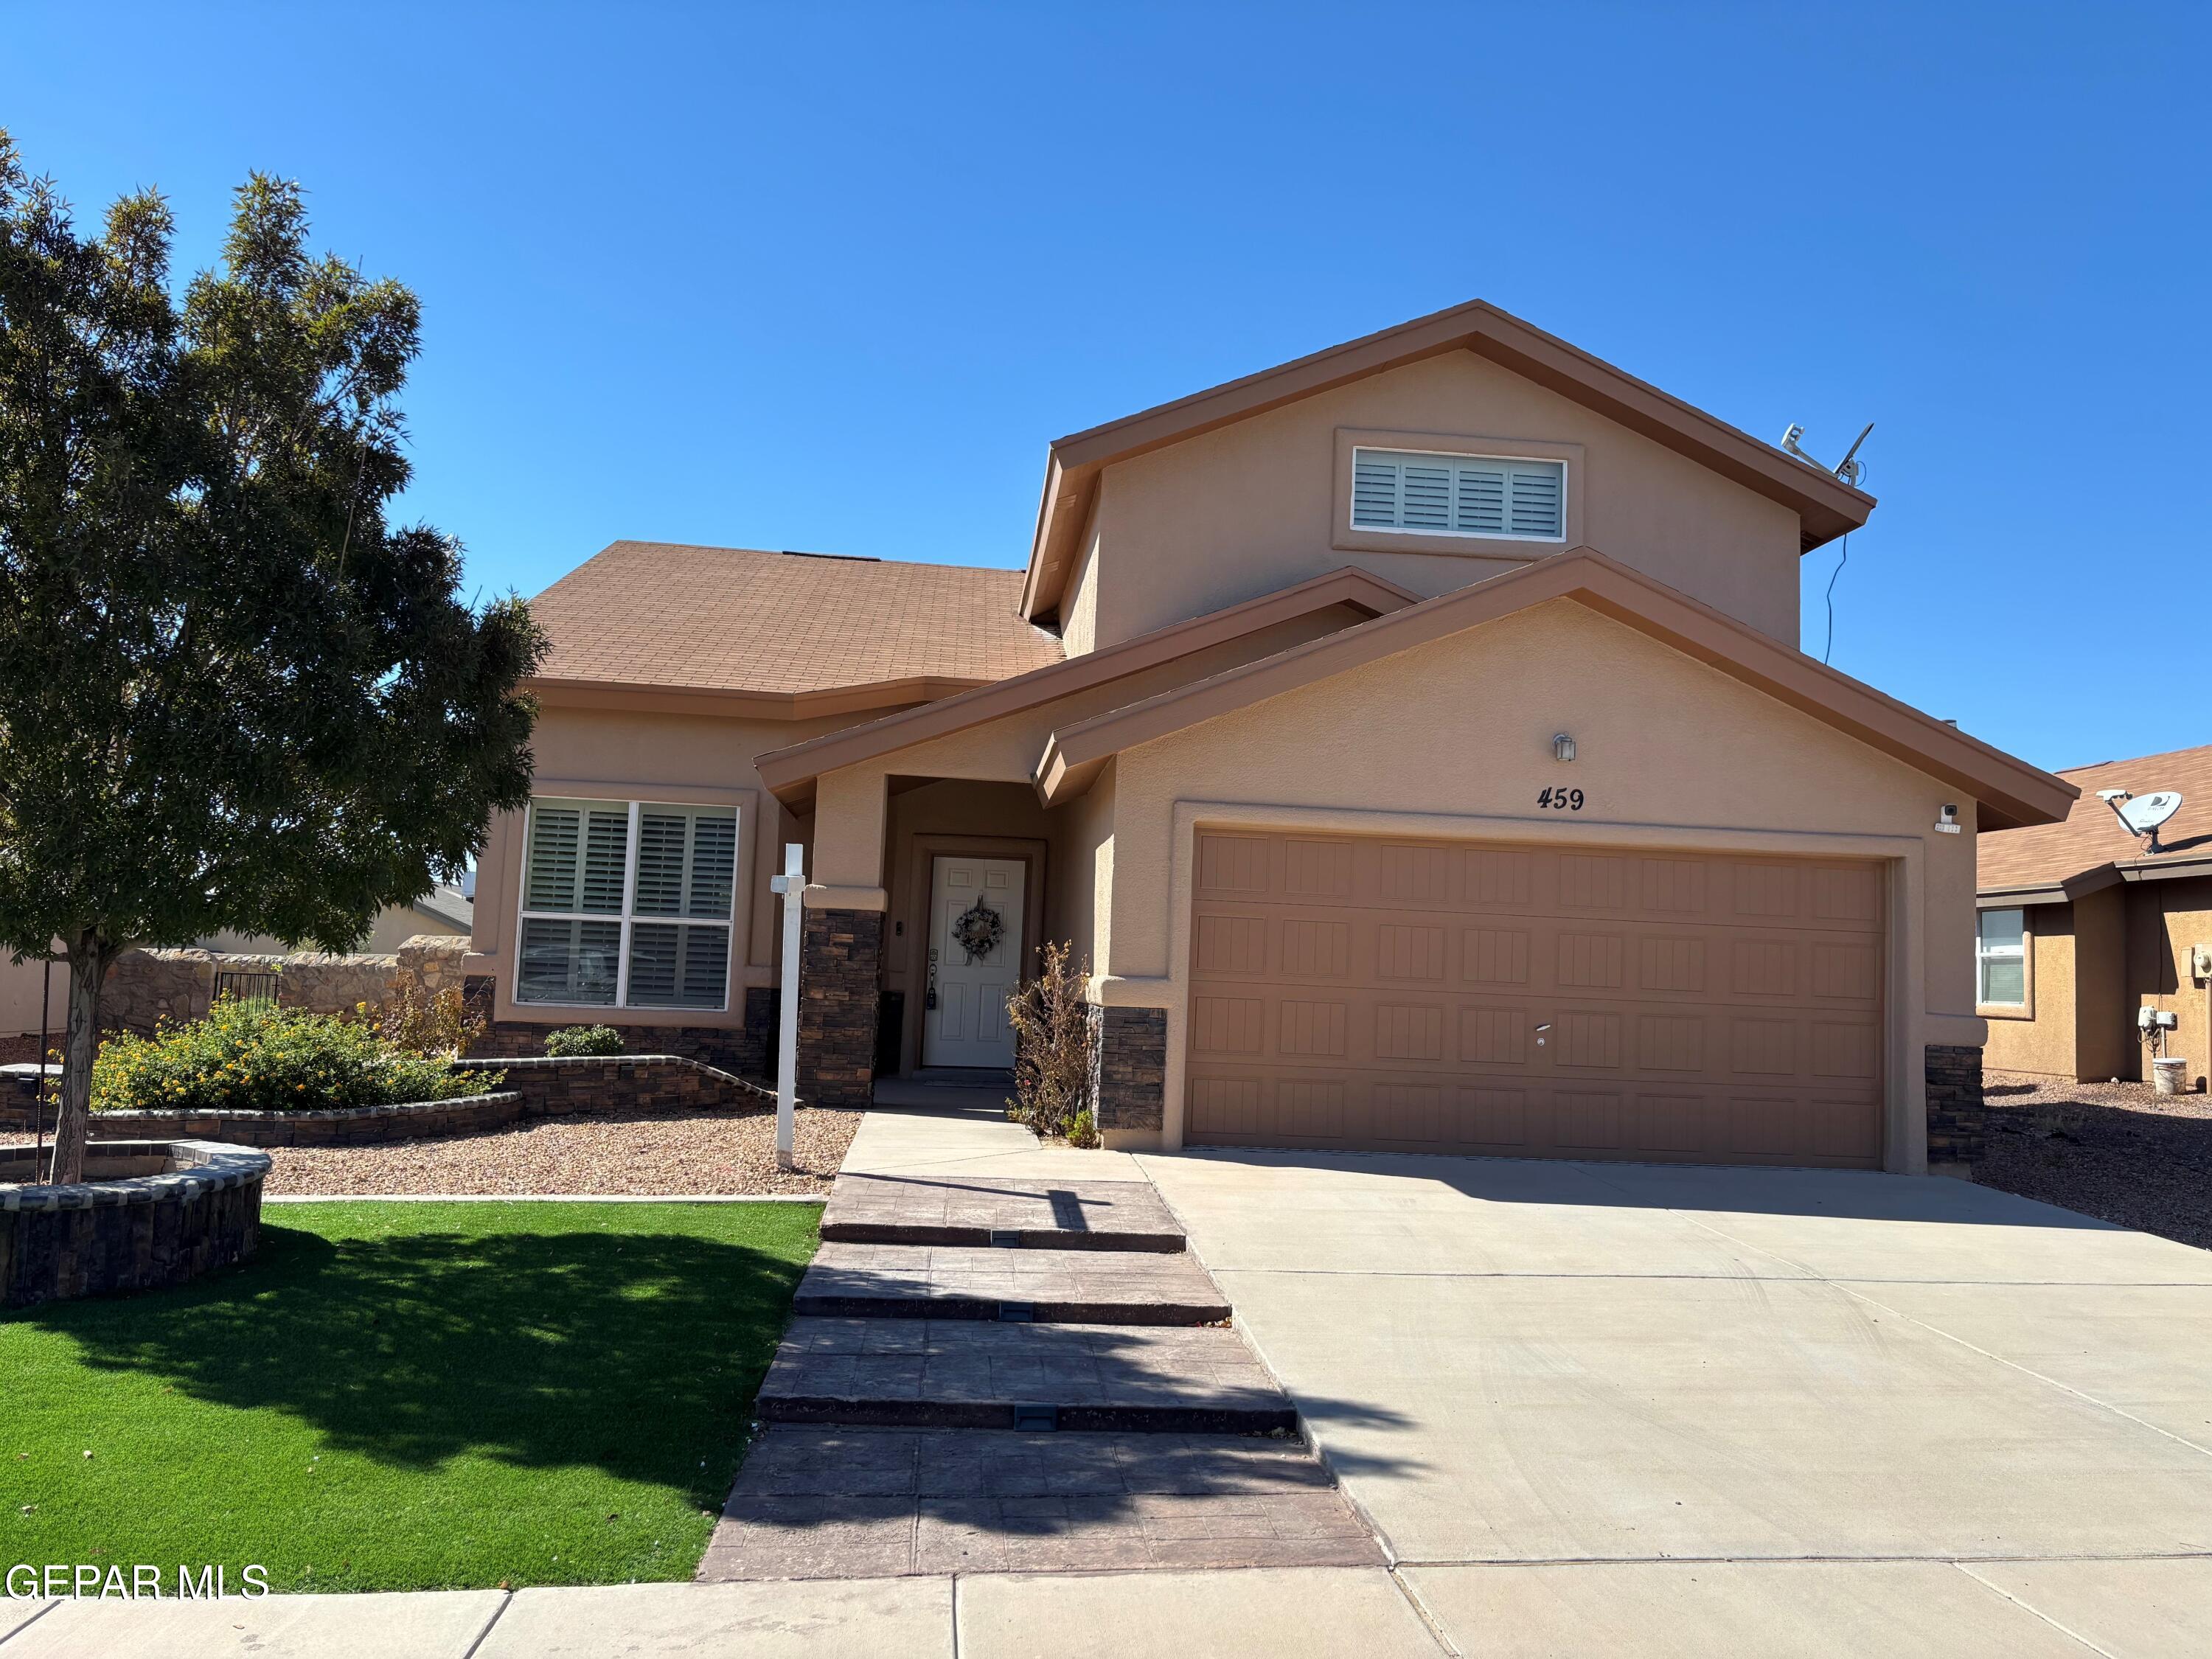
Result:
[
  {"x": 709, "y": 1154},
  {"x": 2119, "y": 1151}
]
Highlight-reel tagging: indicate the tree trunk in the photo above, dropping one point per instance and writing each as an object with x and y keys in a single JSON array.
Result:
[{"x": 90, "y": 951}]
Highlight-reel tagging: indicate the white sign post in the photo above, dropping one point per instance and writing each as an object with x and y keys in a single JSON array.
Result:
[{"x": 792, "y": 884}]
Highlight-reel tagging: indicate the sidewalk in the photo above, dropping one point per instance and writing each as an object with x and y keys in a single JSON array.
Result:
[{"x": 1277, "y": 1613}]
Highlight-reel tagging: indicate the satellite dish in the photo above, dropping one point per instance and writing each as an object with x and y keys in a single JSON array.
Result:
[{"x": 2146, "y": 813}]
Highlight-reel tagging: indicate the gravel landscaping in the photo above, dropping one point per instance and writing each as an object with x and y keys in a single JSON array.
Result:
[
  {"x": 687, "y": 1156},
  {"x": 2119, "y": 1151}
]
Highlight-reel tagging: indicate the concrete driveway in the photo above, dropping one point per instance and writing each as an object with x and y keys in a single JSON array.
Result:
[{"x": 1635, "y": 1409}]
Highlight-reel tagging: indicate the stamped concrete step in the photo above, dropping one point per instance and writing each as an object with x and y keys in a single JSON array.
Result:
[
  {"x": 966, "y": 1373},
  {"x": 1050, "y": 1215},
  {"x": 857, "y": 1502},
  {"x": 967, "y": 1281}
]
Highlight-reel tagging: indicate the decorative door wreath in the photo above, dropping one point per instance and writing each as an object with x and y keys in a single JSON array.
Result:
[{"x": 978, "y": 929}]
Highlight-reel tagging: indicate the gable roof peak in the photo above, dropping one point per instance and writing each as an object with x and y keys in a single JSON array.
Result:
[{"x": 1825, "y": 506}]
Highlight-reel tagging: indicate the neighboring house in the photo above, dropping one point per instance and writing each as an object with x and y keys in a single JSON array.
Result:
[
  {"x": 2082, "y": 926},
  {"x": 1387, "y": 809},
  {"x": 443, "y": 910}
]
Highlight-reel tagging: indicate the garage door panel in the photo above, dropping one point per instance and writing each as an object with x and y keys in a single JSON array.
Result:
[{"x": 1387, "y": 994}]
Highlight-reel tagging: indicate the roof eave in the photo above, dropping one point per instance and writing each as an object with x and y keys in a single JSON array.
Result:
[
  {"x": 2011, "y": 792},
  {"x": 739, "y": 703},
  {"x": 1825, "y": 506},
  {"x": 790, "y": 769}
]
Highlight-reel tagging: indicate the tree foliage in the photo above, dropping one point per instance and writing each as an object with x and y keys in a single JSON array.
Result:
[{"x": 232, "y": 695}]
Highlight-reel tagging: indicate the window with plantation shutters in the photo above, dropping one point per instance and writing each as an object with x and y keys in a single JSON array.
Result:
[
  {"x": 626, "y": 904},
  {"x": 1435, "y": 495}
]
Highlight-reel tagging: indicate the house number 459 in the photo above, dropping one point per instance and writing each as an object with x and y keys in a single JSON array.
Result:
[{"x": 1561, "y": 801}]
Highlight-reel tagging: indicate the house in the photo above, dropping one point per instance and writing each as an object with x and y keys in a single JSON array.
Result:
[
  {"x": 1413, "y": 739},
  {"x": 2081, "y": 925},
  {"x": 444, "y": 909}
]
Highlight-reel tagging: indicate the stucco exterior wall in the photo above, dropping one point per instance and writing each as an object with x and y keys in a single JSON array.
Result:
[
  {"x": 2164, "y": 918},
  {"x": 1454, "y": 738},
  {"x": 1079, "y": 606},
  {"x": 676, "y": 758},
  {"x": 1085, "y": 852},
  {"x": 850, "y": 810},
  {"x": 2092, "y": 965},
  {"x": 2041, "y": 1037},
  {"x": 1217, "y": 519},
  {"x": 2104, "y": 1018}
]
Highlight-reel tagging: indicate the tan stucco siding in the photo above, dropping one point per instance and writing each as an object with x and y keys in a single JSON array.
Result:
[
  {"x": 1079, "y": 606},
  {"x": 660, "y": 757},
  {"x": 2092, "y": 964},
  {"x": 1086, "y": 864},
  {"x": 1454, "y": 738},
  {"x": 851, "y": 838},
  {"x": 2165, "y": 918},
  {"x": 2043, "y": 1037},
  {"x": 1218, "y": 518},
  {"x": 2104, "y": 1018}
]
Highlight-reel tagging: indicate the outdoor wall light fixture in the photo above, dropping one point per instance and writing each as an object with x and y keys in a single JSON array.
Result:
[{"x": 1563, "y": 747}]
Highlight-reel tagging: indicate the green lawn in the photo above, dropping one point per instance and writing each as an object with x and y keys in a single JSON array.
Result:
[{"x": 406, "y": 1396}]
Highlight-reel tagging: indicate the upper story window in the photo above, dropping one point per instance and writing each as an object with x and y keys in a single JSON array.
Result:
[
  {"x": 1435, "y": 494},
  {"x": 2000, "y": 959},
  {"x": 626, "y": 904}
]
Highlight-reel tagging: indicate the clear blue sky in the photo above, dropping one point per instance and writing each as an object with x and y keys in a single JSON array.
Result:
[{"x": 830, "y": 276}]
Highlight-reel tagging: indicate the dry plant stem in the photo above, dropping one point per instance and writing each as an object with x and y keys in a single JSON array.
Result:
[{"x": 1054, "y": 1042}]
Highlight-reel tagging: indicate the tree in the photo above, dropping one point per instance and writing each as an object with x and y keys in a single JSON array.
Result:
[{"x": 232, "y": 697}]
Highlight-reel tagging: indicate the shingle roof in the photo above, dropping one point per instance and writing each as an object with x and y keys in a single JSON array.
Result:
[
  {"x": 2090, "y": 837},
  {"x": 739, "y": 619}
]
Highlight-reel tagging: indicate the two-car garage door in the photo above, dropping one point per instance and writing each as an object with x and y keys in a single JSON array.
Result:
[{"x": 1534, "y": 1001}]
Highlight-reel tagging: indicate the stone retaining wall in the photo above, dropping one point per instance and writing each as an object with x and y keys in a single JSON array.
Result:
[
  {"x": 721, "y": 1048},
  {"x": 571, "y": 1086},
  {"x": 577, "y": 1085},
  {"x": 169, "y": 1212},
  {"x": 350, "y": 1126}
]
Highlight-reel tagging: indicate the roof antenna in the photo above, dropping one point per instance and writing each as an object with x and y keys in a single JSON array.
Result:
[
  {"x": 1848, "y": 469},
  {"x": 2143, "y": 814}
]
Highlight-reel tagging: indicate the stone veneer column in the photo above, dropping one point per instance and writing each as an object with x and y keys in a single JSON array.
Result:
[
  {"x": 1133, "y": 1069},
  {"x": 839, "y": 954},
  {"x": 1955, "y": 1118}
]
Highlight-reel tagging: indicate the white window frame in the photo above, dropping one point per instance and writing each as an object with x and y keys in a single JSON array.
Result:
[
  {"x": 1984, "y": 954},
  {"x": 1351, "y": 495},
  {"x": 628, "y": 917}
]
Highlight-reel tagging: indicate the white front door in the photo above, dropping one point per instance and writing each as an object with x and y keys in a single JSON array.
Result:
[{"x": 975, "y": 959}]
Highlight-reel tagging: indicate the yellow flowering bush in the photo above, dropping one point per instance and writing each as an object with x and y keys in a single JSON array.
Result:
[{"x": 258, "y": 1057}]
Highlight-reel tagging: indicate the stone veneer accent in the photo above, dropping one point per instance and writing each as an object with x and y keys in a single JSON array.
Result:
[
  {"x": 170, "y": 1212},
  {"x": 1132, "y": 1068},
  {"x": 840, "y": 953},
  {"x": 1955, "y": 1116}
]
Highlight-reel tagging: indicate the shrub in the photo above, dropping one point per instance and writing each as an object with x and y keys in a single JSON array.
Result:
[
  {"x": 1055, "y": 1040},
  {"x": 444, "y": 1025},
  {"x": 571, "y": 1040},
  {"x": 258, "y": 1057}
]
